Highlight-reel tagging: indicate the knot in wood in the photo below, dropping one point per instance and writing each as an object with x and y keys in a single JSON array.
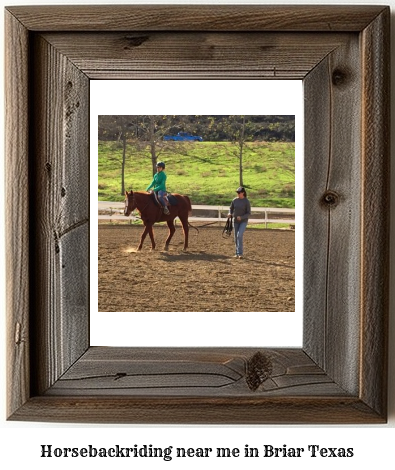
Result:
[
  {"x": 330, "y": 198},
  {"x": 120, "y": 375},
  {"x": 339, "y": 77},
  {"x": 135, "y": 41},
  {"x": 18, "y": 334},
  {"x": 259, "y": 369}
]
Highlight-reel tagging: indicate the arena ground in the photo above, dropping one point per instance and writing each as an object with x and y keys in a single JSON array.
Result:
[{"x": 205, "y": 278}]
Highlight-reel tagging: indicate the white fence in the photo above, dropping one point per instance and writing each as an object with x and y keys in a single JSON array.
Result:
[{"x": 263, "y": 215}]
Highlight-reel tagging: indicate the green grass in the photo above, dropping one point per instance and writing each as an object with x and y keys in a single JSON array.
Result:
[{"x": 208, "y": 172}]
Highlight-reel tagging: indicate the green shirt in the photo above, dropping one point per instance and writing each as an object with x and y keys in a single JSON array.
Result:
[{"x": 159, "y": 182}]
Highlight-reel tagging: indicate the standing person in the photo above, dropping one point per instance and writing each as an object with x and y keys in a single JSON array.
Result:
[
  {"x": 240, "y": 210},
  {"x": 159, "y": 185}
]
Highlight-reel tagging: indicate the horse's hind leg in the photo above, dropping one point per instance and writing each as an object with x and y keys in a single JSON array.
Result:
[
  {"x": 172, "y": 229},
  {"x": 185, "y": 227},
  {"x": 151, "y": 235}
]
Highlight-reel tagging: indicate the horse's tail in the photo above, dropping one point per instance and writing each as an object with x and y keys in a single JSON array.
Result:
[
  {"x": 189, "y": 205},
  {"x": 188, "y": 201}
]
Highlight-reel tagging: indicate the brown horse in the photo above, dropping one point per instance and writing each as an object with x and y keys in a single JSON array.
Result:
[{"x": 151, "y": 213}]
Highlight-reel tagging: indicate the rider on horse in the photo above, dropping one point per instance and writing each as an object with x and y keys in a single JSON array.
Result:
[{"x": 159, "y": 185}]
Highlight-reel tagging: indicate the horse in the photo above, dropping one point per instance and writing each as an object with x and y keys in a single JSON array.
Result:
[{"x": 150, "y": 214}]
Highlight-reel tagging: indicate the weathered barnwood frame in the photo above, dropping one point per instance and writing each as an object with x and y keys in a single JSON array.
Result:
[{"x": 342, "y": 54}]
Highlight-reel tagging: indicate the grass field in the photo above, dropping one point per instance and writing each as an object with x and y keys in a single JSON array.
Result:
[{"x": 208, "y": 172}]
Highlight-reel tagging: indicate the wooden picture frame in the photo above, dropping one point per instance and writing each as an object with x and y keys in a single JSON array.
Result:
[{"x": 340, "y": 374}]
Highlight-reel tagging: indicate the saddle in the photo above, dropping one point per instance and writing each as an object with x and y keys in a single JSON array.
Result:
[{"x": 168, "y": 197}]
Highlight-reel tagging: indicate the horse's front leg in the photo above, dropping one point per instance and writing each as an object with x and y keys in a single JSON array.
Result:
[{"x": 147, "y": 230}]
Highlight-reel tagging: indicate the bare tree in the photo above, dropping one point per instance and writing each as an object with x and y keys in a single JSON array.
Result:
[
  {"x": 240, "y": 142},
  {"x": 235, "y": 128},
  {"x": 125, "y": 129},
  {"x": 151, "y": 130}
]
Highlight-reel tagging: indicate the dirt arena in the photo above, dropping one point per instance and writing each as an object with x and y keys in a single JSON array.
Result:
[{"x": 205, "y": 278}]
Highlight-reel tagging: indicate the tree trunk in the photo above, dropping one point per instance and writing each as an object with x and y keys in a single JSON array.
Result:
[
  {"x": 123, "y": 164},
  {"x": 241, "y": 145},
  {"x": 153, "y": 157},
  {"x": 153, "y": 144}
]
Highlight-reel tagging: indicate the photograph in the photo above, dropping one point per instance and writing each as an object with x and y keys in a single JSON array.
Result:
[
  {"x": 197, "y": 243},
  {"x": 196, "y": 213}
]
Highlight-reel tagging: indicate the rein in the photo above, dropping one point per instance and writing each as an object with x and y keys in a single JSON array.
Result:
[
  {"x": 135, "y": 201},
  {"x": 228, "y": 228},
  {"x": 195, "y": 227}
]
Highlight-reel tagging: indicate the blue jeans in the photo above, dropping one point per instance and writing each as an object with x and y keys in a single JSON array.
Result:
[
  {"x": 161, "y": 198},
  {"x": 239, "y": 229}
]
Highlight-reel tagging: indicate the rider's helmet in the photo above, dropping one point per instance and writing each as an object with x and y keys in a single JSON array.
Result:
[{"x": 161, "y": 165}]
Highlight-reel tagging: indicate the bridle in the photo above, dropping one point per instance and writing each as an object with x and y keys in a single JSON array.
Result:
[{"x": 130, "y": 199}]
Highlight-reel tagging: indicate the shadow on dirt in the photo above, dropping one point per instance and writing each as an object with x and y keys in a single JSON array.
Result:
[{"x": 192, "y": 256}]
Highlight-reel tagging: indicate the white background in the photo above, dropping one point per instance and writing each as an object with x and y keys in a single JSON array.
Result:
[
  {"x": 266, "y": 97},
  {"x": 20, "y": 442}
]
